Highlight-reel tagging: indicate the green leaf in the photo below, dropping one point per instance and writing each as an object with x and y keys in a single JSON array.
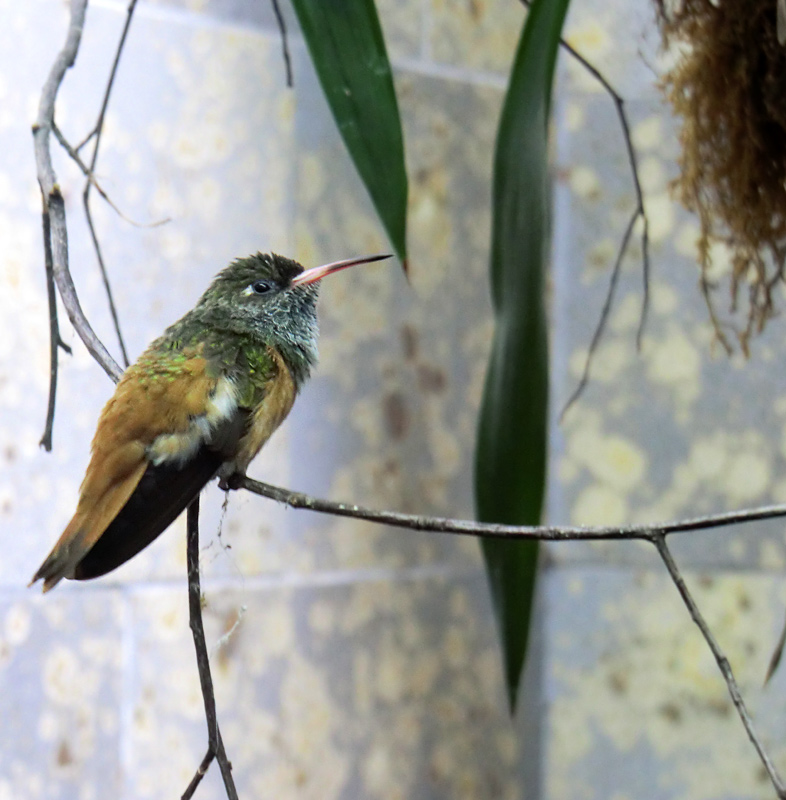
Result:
[
  {"x": 348, "y": 51},
  {"x": 510, "y": 460}
]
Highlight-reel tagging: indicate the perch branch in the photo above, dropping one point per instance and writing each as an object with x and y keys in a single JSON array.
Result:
[
  {"x": 553, "y": 533},
  {"x": 656, "y": 534}
]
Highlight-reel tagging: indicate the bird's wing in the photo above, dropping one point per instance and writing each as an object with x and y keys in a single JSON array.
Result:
[
  {"x": 151, "y": 455},
  {"x": 158, "y": 498}
]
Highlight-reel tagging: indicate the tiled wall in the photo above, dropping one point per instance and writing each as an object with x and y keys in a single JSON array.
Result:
[{"x": 362, "y": 662}]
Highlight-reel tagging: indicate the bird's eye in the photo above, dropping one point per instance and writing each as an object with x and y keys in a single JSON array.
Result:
[{"x": 262, "y": 287}]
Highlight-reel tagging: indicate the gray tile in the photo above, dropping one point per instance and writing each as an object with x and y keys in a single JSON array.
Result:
[
  {"x": 60, "y": 695},
  {"x": 478, "y": 35},
  {"x": 252, "y": 13},
  {"x": 374, "y": 689},
  {"x": 401, "y": 20},
  {"x": 635, "y": 703}
]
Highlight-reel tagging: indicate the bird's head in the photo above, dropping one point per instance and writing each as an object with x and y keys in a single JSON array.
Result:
[{"x": 272, "y": 298}]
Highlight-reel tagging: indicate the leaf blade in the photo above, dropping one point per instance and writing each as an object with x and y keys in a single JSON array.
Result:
[
  {"x": 511, "y": 453},
  {"x": 348, "y": 51}
]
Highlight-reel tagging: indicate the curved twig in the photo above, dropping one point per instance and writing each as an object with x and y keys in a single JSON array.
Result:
[
  {"x": 638, "y": 212},
  {"x": 98, "y": 128},
  {"x": 282, "y": 27},
  {"x": 604, "y": 315},
  {"x": 619, "y": 104},
  {"x": 52, "y": 199},
  {"x": 97, "y": 132}
]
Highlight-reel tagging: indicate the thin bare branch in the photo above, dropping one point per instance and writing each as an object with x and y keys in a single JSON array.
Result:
[
  {"x": 282, "y": 26},
  {"x": 619, "y": 104},
  {"x": 554, "y": 533},
  {"x": 604, "y": 315},
  {"x": 722, "y": 661},
  {"x": 215, "y": 745},
  {"x": 97, "y": 132},
  {"x": 638, "y": 212},
  {"x": 198, "y": 775},
  {"x": 55, "y": 341},
  {"x": 52, "y": 198},
  {"x": 98, "y": 129},
  {"x": 653, "y": 533},
  {"x": 104, "y": 274},
  {"x": 77, "y": 159}
]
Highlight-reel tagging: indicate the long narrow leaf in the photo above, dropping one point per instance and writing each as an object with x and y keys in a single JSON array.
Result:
[
  {"x": 510, "y": 460},
  {"x": 348, "y": 51}
]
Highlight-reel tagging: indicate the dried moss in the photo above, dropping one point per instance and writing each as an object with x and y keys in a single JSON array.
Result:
[{"x": 729, "y": 87}]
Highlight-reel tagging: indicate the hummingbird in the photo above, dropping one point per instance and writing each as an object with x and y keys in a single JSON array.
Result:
[{"x": 201, "y": 401}]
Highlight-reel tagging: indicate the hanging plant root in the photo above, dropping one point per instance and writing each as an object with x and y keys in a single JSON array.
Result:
[{"x": 728, "y": 86}]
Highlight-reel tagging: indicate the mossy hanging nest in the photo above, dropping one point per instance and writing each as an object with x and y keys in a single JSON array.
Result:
[{"x": 729, "y": 87}]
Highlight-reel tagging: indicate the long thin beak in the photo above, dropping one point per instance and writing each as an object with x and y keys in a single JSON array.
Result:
[{"x": 317, "y": 273}]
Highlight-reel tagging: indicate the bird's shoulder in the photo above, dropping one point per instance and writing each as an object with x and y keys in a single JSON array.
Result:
[
  {"x": 250, "y": 363},
  {"x": 161, "y": 391}
]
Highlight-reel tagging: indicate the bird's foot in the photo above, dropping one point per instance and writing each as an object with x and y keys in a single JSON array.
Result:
[{"x": 229, "y": 483}]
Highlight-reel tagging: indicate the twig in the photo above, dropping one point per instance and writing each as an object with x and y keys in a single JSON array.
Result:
[
  {"x": 619, "y": 104},
  {"x": 462, "y": 527},
  {"x": 104, "y": 275},
  {"x": 282, "y": 26},
  {"x": 97, "y": 132},
  {"x": 99, "y": 126},
  {"x": 722, "y": 661},
  {"x": 215, "y": 745},
  {"x": 77, "y": 159},
  {"x": 604, "y": 315},
  {"x": 198, "y": 775},
  {"x": 777, "y": 654},
  {"x": 55, "y": 341},
  {"x": 52, "y": 199}
]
